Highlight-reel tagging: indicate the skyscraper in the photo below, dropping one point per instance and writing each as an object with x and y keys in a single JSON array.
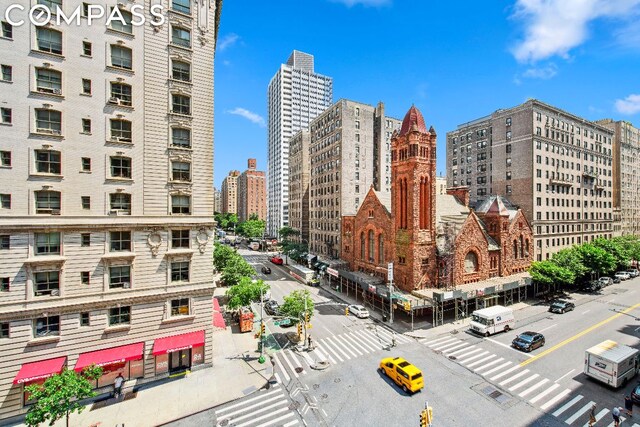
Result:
[
  {"x": 107, "y": 174},
  {"x": 296, "y": 95}
]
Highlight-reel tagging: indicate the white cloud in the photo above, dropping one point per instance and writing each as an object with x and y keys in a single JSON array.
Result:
[
  {"x": 366, "y": 3},
  {"x": 554, "y": 27},
  {"x": 228, "y": 41},
  {"x": 543, "y": 73},
  {"x": 629, "y": 105},
  {"x": 252, "y": 117}
]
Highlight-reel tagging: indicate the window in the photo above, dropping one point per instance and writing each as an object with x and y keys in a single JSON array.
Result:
[
  {"x": 46, "y": 326},
  {"x": 180, "y": 238},
  {"x": 48, "y": 161},
  {"x": 5, "y": 201},
  {"x": 180, "y": 271},
  {"x": 121, "y": 57},
  {"x": 49, "y": 40},
  {"x": 508, "y": 148},
  {"x": 508, "y": 135},
  {"x": 86, "y": 202},
  {"x": 7, "y": 30},
  {"x": 119, "y": 316},
  {"x": 6, "y": 73},
  {"x": 5, "y": 241},
  {"x": 181, "y": 104},
  {"x": 47, "y": 202},
  {"x": 181, "y": 71},
  {"x": 181, "y": 137},
  {"x": 180, "y": 307},
  {"x": 118, "y": 25},
  {"x": 85, "y": 239},
  {"x": 181, "y": 36},
  {"x": 120, "y": 276},
  {"x": 121, "y": 130},
  {"x": 508, "y": 121},
  {"x": 120, "y": 202},
  {"x": 46, "y": 283},
  {"x": 120, "y": 241},
  {"x": 86, "y": 87},
  {"x": 508, "y": 161},
  {"x": 4, "y": 330},
  {"x": 47, "y": 244},
  {"x": 508, "y": 177},
  {"x": 182, "y": 6},
  {"x": 48, "y": 81},
  {"x": 48, "y": 121},
  {"x": 5, "y": 158},
  {"x": 509, "y": 189},
  {"x": 85, "y": 319},
  {"x": 122, "y": 92},
  {"x": 471, "y": 263},
  {"x": 86, "y": 48},
  {"x": 86, "y": 126},
  {"x": 5, "y": 116},
  {"x": 85, "y": 277},
  {"x": 52, "y": 5},
  {"x": 181, "y": 171},
  {"x": 181, "y": 205},
  {"x": 4, "y": 284},
  {"x": 357, "y": 124},
  {"x": 120, "y": 167}
]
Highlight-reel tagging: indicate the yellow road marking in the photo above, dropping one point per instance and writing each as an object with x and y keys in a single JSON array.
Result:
[{"x": 578, "y": 335}]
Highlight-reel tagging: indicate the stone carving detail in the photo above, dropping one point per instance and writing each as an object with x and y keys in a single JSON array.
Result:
[
  {"x": 202, "y": 239},
  {"x": 154, "y": 240}
]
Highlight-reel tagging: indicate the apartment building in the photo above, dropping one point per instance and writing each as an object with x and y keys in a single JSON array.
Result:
[
  {"x": 217, "y": 200},
  {"x": 299, "y": 184},
  {"x": 626, "y": 174},
  {"x": 296, "y": 95},
  {"x": 229, "y": 192},
  {"x": 554, "y": 165},
  {"x": 252, "y": 193},
  {"x": 441, "y": 185},
  {"x": 344, "y": 150},
  {"x": 106, "y": 219}
]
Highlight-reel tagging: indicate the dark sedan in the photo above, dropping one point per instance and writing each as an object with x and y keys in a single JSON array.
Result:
[
  {"x": 561, "y": 306},
  {"x": 265, "y": 270},
  {"x": 528, "y": 341},
  {"x": 271, "y": 307},
  {"x": 635, "y": 395}
]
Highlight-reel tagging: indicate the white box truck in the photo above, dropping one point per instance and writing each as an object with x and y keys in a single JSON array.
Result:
[
  {"x": 492, "y": 320},
  {"x": 611, "y": 363}
]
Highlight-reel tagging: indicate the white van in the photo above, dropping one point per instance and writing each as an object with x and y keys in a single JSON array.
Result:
[{"x": 492, "y": 320}]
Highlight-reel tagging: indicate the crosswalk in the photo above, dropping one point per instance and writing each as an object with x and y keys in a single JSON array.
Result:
[
  {"x": 262, "y": 409},
  {"x": 510, "y": 376},
  {"x": 335, "y": 349}
]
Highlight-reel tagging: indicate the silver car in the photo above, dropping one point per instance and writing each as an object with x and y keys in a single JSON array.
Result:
[{"x": 358, "y": 311}]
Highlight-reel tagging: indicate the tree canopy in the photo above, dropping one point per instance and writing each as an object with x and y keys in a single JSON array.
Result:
[
  {"x": 252, "y": 228},
  {"x": 226, "y": 221},
  {"x": 221, "y": 256},
  {"x": 294, "y": 304},
  {"x": 60, "y": 395},
  {"x": 235, "y": 269},
  {"x": 548, "y": 273},
  {"x": 246, "y": 291},
  {"x": 596, "y": 259}
]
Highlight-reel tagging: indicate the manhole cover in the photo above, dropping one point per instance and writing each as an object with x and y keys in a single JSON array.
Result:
[
  {"x": 337, "y": 380},
  {"x": 453, "y": 358},
  {"x": 316, "y": 386},
  {"x": 324, "y": 396},
  {"x": 294, "y": 405},
  {"x": 224, "y": 422},
  {"x": 496, "y": 395},
  {"x": 299, "y": 369}
]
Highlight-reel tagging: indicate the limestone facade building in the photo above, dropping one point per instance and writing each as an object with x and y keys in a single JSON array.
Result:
[
  {"x": 229, "y": 193},
  {"x": 554, "y": 165},
  {"x": 252, "y": 193},
  {"x": 299, "y": 184},
  {"x": 107, "y": 196}
]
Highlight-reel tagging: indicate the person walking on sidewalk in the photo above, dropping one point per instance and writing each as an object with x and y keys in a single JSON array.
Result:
[
  {"x": 117, "y": 385},
  {"x": 310, "y": 346},
  {"x": 628, "y": 405},
  {"x": 592, "y": 415},
  {"x": 615, "y": 413}
]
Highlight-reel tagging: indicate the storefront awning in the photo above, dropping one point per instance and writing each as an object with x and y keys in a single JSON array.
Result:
[
  {"x": 110, "y": 356},
  {"x": 178, "y": 342},
  {"x": 39, "y": 370}
]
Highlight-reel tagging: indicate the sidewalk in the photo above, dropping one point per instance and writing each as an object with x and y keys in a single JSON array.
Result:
[{"x": 230, "y": 377}]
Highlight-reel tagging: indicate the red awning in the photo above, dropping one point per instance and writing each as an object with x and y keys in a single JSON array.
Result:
[
  {"x": 40, "y": 370},
  {"x": 178, "y": 342},
  {"x": 218, "y": 320},
  {"x": 110, "y": 356}
]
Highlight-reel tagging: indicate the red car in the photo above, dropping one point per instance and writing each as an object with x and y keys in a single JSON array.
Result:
[{"x": 277, "y": 260}]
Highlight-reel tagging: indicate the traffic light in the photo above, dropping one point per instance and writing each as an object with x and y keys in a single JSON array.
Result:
[
  {"x": 429, "y": 412},
  {"x": 307, "y": 317},
  {"x": 346, "y": 311},
  {"x": 423, "y": 418},
  {"x": 299, "y": 328},
  {"x": 262, "y": 328}
]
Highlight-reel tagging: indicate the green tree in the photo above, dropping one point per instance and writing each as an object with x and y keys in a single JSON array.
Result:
[
  {"x": 226, "y": 221},
  {"x": 615, "y": 248},
  {"x": 235, "y": 269},
  {"x": 221, "y": 256},
  {"x": 246, "y": 291},
  {"x": 550, "y": 274},
  {"x": 631, "y": 245},
  {"x": 570, "y": 259},
  {"x": 252, "y": 228},
  {"x": 596, "y": 259},
  {"x": 294, "y": 304},
  {"x": 60, "y": 395},
  {"x": 287, "y": 232}
]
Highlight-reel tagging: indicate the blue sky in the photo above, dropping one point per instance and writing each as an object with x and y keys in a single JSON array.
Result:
[{"x": 455, "y": 60}]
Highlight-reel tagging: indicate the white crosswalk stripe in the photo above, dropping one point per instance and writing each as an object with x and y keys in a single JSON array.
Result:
[
  {"x": 325, "y": 355},
  {"x": 442, "y": 347},
  {"x": 266, "y": 409},
  {"x": 565, "y": 406},
  {"x": 362, "y": 343},
  {"x": 503, "y": 373},
  {"x": 579, "y": 413},
  {"x": 454, "y": 348},
  {"x": 279, "y": 363},
  {"x": 430, "y": 341},
  {"x": 369, "y": 338},
  {"x": 488, "y": 365},
  {"x": 461, "y": 353},
  {"x": 515, "y": 377},
  {"x": 524, "y": 382},
  {"x": 544, "y": 393},
  {"x": 283, "y": 354},
  {"x": 622, "y": 419},
  {"x": 342, "y": 342},
  {"x": 432, "y": 344},
  {"x": 599, "y": 416},
  {"x": 464, "y": 359},
  {"x": 327, "y": 348},
  {"x": 296, "y": 362},
  {"x": 337, "y": 347},
  {"x": 534, "y": 387},
  {"x": 357, "y": 343},
  {"x": 480, "y": 361}
]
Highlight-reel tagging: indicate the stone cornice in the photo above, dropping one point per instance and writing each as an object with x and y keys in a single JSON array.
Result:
[{"x": 35, "y": 223}]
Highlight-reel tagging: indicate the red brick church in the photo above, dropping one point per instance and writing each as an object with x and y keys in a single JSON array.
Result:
[{"x": 434, "y": 241}]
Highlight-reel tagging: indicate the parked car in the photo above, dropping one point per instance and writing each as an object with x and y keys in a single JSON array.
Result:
[
  {"x": 528, "y": 341},
  {"x": 615, "y": 279},
  {"x": 591, "y": 286},
  {"x": 271, "y": 307},
  {"x": 265, "y": 270},
  {"x": 623, "y": 275},
  {"x": 277, "y": 260},
  {"x": 561, "y": 306},
  {"x": 635, "y": 395},
  {"x": 605, "y": 281},
  {"x": 358, "y": 311},
  {"x": 633, "y": 273}
]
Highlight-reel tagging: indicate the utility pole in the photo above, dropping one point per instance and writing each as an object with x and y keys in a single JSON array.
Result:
[
  {"x": 261, "y": 323},
  {"x": 390, "y": 279}
]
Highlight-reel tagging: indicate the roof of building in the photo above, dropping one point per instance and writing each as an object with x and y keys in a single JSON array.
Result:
[
  {"x": 385, "y": 199},
  {"x": 411, "y": 119},
  {"x": 497, "y": 205}
]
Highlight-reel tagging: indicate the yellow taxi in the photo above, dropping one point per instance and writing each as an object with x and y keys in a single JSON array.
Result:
[{"x": 402, "y": 373}]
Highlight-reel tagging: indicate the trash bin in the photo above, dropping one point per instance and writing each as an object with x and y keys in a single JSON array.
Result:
[{"x": 384, "y": 317}]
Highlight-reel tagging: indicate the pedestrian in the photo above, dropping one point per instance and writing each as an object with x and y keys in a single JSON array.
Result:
[
  {"x": 615, "y": 413},
  {"x": 117, "y": 385},
  {"x": 592, "y": 415},
  {"x": 309, "y": 340},
  {"x": 628, "y": 405},
  {"x": 393, "y": 340}
]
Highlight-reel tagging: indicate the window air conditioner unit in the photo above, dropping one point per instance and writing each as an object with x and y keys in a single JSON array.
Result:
[
  {"x": 55, "y": 292},
  {"x": 126, "y": 285},
  {"x": 55, "y": 211},
  {"x": 114, "y": 100},
  {"x": 44, "y": 211},
  {"x": 44, "y": 130},
  {"x": 57, "y": 91}
]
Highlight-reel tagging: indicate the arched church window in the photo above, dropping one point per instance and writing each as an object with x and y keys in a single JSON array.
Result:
[{"x": 471, "y": 262}]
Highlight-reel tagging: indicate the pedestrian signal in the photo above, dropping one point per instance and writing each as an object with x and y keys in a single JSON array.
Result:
[
  {"x": 299, "y": 329},
  {"x": 262, "y": 329},
  {"x": 346, "y": 311},
  {"x": 307, "y": 317}
]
